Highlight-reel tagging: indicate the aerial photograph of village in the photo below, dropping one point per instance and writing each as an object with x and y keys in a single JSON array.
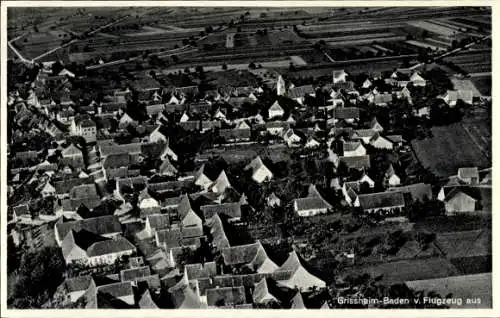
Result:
[{"x": 163, "y": 157}]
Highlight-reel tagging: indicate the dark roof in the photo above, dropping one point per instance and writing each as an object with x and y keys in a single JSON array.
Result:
[
  {"x": 198, "y": 270},
  {"x": 226, "y": 296},
  {"x": 83, "y": 191},
  {"x": 381, "y": 200},
  {"x": 117, "y": 289},
  {"x": 110, "y": 246},
  {"x": 233, "y": 210},
  {"x": 346, "y": 113},
  {"x": 78, "y": 283},
  {"x": 417, "y": 191},
  {"x": 100, "y": 225},
  {"x": 116, "y": 160},
  {"x": 133, "y": 273},
  {"x": 158, "y": 221},
  {"x": 300, "y": 91}
]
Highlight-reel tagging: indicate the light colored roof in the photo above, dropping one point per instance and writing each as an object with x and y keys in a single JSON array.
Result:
[
  {"x": 468, "y": 173},
  {"x": 381, "y": 200},
  {"x": 311, "y": 203}
]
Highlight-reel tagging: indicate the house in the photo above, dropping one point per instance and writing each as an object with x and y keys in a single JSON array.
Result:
[
  {"x": 417, "y": 80},
  {"x": 339, "y": 76},
  {"x": 297, "y": 301},
  {"x": 275, "y": 110},
  {"x": 451, "y": 97},
  {"x": 311, "y": 206},
  {"x": 312, "y": 143},
  {"x": 380, "y": 142},
  {"x": 355, "y": 162},
  {"x": 167, "y": 169},
  {"x": 381, "y": 201},
  {"x": 291, "y": 138},
  {"x": 353, "y": 149},
  {"x": 297, "y": 275},
  {"x": 337, "y": 99},
  {"x": 375, "y": 125},
  {"x": 236, "y": 134},
  {"x": 85, "y": 127},
  {"x": 230, "y": 210},
  {"x": 176, "y": 236},
  {"x": 468, "y": 175},
  {"x": 203, "y": 176},
  {"x": 397, "y": 140},
  {"x": 186, "y": 214},
  {"x": 126, "y": 120},
  {"x": 84, "y": 194},
  {"x": 183, "y": 295},
  {"x": 366, "y": 179},
  {"x": 260, "y": 172},
  {"x": 299, "y": 93},
  {"x": 464, "y": 199},
  {"x": 273, "y": 201},
  {"x": 220, "y": 184},
  {"x": 76, "y": 287},
  {"x": 423, "y": 111},
  {"x": 48, "y": 190},
  {"x": 277, "y": 127},
  {"x": 168, "y": 153},
  {"x": 382, "y": 99},
  {"x": 347, "y": 114},
  {"x": 122, "y": 291},
  {"x": 367, "y": 83},
  {"x": 147, "y": 204},
  {"x": 365, "y": 135},
  {"x": 89, "y": 249},
  {"x": 252, "y": 256},
  {"x": 349, "y": 190},
  {"x": 390, "y": 177},
  {"x": 107, "y": 226},
  {"x": 421, "y": 192},
  {"x": 266, "y": 292},
  {"x": 219, "y": 238},
  {"x": 73, "y": 156}
]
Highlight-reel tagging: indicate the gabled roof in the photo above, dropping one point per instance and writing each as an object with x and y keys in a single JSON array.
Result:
[
  {"x": 83, "y": 191},
  {"x": 100, "y": 225},
  {"x": 418, "y": 191},
  {"x": 381, "y": 200},
  {"x": 465, "y": 173},
  {"x": 295, "y": 264},
  {"x": 117, "y": 290},
  {"x": 183, "y": 296},
  {"x": 244, "y": 254},
  {"x": 311, "y": 203},
  {"x": 221, "y": 183},
  {"x": 78, "y": 283},
  {"x": 297, "y": 301},
  {"x": 351, "y": 145},
  {"x": 158, "y": 221},
  {"x": 133, "y": 273},
  {"x": 219, "y": 238},
  {"x": 116, "y": 160},
  {"x": 276, "y": 107},
  {"x": 365, "y": 133},
  {"x": 233, "y": 210},
  {"x": 198, "y": 270},
  {"x": 146, "y": 301},
  {"x": 110, "y": 246},
  {"x": 356, "y": 162},
  {"x": 300, "y": 91},
  {"x": 395, "y": 138}
]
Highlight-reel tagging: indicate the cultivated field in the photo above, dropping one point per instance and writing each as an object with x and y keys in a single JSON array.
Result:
[{"x": 450, "y": 148}]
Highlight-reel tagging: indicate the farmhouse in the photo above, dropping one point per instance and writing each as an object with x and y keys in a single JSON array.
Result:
[
  {"x": 355, "y": 162},
  {"x": 468, "y": 175},
  {"x": 381, "y": 201},
  {"x": 310, "y": 206},
  {"x": 417, "y": 80},
  {"x": 298, "y": 275},
  {"x": 347, "y": 114},
  {"x": 339, "y": 76},
  {"x": 299, "y": 93},
  {"x": 260, "y": 172},
  {"x": 380, "y": 142},
  {"x": 275, "y": 110},
  {"x": 390, "y": 177},
  {"x": 252, "y": 255}
]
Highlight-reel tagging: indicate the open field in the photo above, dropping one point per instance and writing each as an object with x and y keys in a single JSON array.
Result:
[
  {"x": 444, "y": 224},
  {"x": 450, "y": 148},
  {"x": 401, "y": 271}
]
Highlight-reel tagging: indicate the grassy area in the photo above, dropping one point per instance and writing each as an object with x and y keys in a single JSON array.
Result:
[
  {"x": 401, "y": 271},
  {"x": 443, "y": 224},
  {"x": 450, "y": 148}
]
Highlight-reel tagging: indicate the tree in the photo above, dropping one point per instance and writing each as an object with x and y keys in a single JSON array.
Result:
[
  {"x": 224, "y": 66},
  {"x": 251, "y": 66},
  {"x": 38, "y": 276}
]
